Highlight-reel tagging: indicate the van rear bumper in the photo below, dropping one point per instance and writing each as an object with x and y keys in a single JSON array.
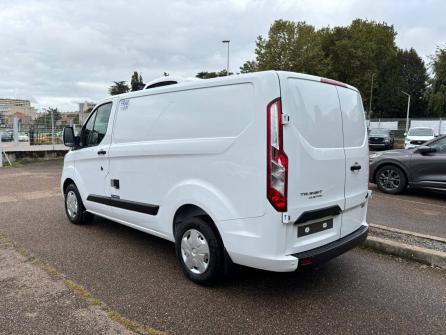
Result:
[{"x": 326, "y": 252}]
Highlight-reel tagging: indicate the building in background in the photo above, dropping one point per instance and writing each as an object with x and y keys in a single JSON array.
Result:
[
  {"x": 84, "y": 110},
  {"x": 68, "y": 119},
  {"x": 22, "y": 109}
]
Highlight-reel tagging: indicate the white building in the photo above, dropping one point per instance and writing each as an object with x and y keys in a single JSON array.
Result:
[{"x": 16, "y": 107}]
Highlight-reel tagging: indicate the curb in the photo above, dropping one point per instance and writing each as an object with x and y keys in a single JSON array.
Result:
[
  {"x": 396, "y": 230},
  {"x": 422, "y": 255}
]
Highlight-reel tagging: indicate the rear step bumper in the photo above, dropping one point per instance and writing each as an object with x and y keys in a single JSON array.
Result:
[{"x": 333, "y": 249}]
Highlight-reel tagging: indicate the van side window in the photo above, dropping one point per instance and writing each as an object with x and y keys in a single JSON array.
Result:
[
  {"x": 96, "y": 127},
  {"x": 88, "y": 130},
  {"x": 101, "y": 123}
]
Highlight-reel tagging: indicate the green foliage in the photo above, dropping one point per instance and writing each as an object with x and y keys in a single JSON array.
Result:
[
  {"x": 208, "y": 75},
  {"x": 351, "y": 54},
  {"x": 249, "y": 66},
  {"x": 405, "y": 71},
  {"x": 291, "y": 46},
  {"x": 45, "y": 118},
  {"x": 437, "y": 90},
  {"x": 136, "y": 82},
  {"x": 119, "y": 87}
]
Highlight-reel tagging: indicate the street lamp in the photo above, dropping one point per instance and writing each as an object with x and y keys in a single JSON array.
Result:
[
  {"x": 227, "y": 65},
  {"x": 371, "y": 97},
  {"x": 408, "y": 109}
]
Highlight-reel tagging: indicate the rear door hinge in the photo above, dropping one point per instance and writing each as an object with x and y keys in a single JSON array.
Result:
[
  {"x": 286, "y": 218},
  {"x": 285, "y": 119}
]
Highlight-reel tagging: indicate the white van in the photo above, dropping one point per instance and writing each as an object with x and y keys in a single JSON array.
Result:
[{"x": 267, "y": 170}]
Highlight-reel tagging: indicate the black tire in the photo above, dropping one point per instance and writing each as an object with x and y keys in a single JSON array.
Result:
[
  {"x": 81, "y": 216},
  {"x": 215, "y": 260},
  {"x": 390, "y": 179}
]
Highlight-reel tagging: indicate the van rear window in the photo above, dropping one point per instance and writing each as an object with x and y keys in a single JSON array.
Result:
[
  {"x": 315, "y": 107},
  {"x": 353, "y": 117}
]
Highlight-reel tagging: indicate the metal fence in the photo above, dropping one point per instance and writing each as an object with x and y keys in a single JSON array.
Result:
[{"x": 398, "y": 126}]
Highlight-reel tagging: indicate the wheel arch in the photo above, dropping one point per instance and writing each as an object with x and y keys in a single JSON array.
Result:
[
  {"x": 391, "y": 163},
  {"x": 191, "y": 210},
  {"x": 67, "y": 182}
]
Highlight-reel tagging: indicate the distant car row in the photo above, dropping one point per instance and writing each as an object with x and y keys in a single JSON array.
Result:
[
  {"x": 381, "y": 138},
  {"x": 8, "y": 136}
]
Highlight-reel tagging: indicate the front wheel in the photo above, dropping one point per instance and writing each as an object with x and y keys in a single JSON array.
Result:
[
  {"x": 199, "y": 251},
  {"x": 391, "y": 179},
  {"x": 74, "y": 208}
]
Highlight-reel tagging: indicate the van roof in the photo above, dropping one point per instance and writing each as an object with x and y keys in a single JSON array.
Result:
[{"x": 245, "y": 77}]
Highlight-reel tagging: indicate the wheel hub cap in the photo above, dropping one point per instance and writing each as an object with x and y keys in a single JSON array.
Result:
[
  {"x": 389, "y": 179},
  {"x": 195, "y": 251},
  {"x": 72, "y": 206}
]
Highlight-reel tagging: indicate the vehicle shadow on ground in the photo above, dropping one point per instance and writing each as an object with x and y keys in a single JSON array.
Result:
[
  {"x": 414, "y": 193},
  {"x": 161, "y": 254}
]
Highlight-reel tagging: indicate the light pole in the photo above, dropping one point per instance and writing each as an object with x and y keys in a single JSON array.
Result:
[
  {"x": 371, "y": 97},
  {"x": 408, "y": 109},
  {"x": 227, "y": 65}
]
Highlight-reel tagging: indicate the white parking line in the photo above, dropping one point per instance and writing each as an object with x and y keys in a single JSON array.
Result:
[{"x": 409, "y": 201}]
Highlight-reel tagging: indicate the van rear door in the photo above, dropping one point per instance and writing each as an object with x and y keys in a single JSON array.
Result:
[
  {"x": 357, "y": 160},
  {"x": 313, "y": 141}
]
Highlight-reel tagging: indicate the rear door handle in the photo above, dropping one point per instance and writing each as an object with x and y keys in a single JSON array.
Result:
[
  {"x": 102, "y": 152},
  {"x": 355, "y": 167}
]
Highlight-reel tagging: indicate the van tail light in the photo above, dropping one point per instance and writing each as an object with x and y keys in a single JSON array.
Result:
[{"x": 277, "y": 160}]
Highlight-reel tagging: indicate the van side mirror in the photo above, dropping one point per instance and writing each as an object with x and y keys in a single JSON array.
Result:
[
  {"x": 69, "y": 139},
  {"x": 424, "y": 149}
]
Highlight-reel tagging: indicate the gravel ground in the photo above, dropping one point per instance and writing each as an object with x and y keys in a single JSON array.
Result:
[
  {"x": 409, "y": 239},
  {"x": 32, "y": 302},
  {"x": 137, "y": 275}
]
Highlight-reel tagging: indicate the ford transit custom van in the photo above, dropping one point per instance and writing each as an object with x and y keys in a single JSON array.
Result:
[{"x": 267, "y": 170}]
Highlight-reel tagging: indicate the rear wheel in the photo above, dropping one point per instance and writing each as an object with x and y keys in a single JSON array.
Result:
[
  {"x": 391, "y": 179},
  {"x": 74, "y": 208},
  {"x": 199, "y": 251}
]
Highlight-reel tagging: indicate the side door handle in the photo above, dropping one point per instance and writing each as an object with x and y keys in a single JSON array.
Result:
[
  {"x": 102, "y": 152},
  {"x": 355, "y": 167}
]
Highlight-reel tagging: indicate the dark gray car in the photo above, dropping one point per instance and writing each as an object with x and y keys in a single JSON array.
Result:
[
  {"x": 380, "y": 138},
  {"x": 425, "y": 167}
]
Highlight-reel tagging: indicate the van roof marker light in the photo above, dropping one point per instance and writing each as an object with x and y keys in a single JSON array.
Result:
[{"x": 333, "y": 82}]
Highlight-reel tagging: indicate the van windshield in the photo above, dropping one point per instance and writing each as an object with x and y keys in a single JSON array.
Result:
[{"x": 421, "y": 132}]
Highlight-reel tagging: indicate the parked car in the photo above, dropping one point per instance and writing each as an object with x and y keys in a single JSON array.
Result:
[
  {"x": 381, "y": 138},
  {"x": 267, "y": 169},
  {"x": 23, "y": 137},
  {"x": 418, "y": 136},
  {"x": 6, "y": 136},
  {"x": 421, "y": 167}
]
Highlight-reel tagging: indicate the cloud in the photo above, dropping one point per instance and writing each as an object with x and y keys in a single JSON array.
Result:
[{"x": 62, "y": 52}]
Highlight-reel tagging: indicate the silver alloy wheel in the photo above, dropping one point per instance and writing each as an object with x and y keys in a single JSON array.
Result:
[
  {"x": 72, "y": 205},
  {"x": 195, "y": 251},
  {"x": 389, "y": 179}
]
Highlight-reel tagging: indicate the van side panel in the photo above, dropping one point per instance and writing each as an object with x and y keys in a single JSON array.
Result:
[{"x": 203, "y": 146}]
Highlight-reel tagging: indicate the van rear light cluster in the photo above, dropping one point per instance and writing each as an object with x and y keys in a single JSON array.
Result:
[{"x": 277, "y": 160}]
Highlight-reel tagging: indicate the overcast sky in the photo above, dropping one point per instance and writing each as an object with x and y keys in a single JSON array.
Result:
[{"x": 58, "y": 53}]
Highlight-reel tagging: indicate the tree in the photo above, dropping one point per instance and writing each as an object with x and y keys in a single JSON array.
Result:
[
  {"x": 358, "y": 51},
  {"x": 208, "y": 75},
  {"x": 45, "y": 118},
  {"x": 290, "y": 46},
  {"x": 249, "y": 66},
  {"x": 119, "y": 87},
  {"x": 407, "y": 72},
  {"x": 437, "y": 90},
  {"x": 136, "y": 82}
]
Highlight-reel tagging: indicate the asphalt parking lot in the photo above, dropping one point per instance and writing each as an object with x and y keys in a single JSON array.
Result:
[{"x": 138, "y": 276}]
